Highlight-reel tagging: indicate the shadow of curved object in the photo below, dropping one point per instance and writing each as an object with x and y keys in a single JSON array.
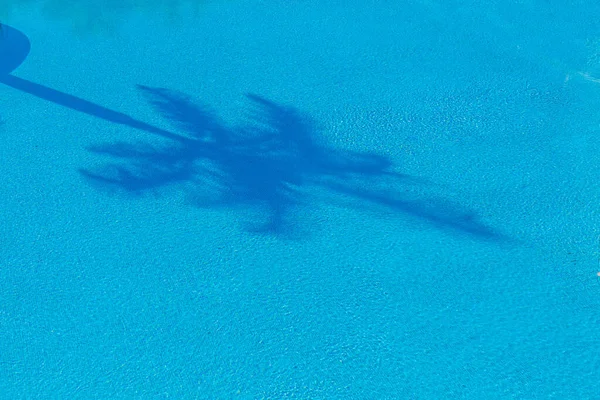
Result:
[
  {"x": 270, "y": 162},
  {"x": 14, "y": 48}
]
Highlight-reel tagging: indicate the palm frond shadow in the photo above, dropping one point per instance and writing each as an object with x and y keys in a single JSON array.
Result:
[{"x": 269, "y": 163}]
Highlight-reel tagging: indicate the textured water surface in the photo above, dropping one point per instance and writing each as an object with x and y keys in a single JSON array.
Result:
[{"x": 317, "y": 200}]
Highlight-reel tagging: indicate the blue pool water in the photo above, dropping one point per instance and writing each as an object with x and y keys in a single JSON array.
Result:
[{"x": 300, "y": 199}]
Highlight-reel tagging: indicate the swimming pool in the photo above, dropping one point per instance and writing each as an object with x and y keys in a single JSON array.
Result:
[{"x": 309, "y": 199}]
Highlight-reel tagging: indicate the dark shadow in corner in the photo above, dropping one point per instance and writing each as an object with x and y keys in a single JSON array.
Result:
[
  {"x": 268, "y": 164},
  {"x": 14, "y": 48}
]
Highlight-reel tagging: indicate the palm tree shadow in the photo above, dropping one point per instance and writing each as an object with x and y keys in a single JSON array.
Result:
[{"x": 269, "y": 164}]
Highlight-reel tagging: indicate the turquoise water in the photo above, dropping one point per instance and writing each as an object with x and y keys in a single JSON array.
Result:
[{"x": 314, "y": 200}]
